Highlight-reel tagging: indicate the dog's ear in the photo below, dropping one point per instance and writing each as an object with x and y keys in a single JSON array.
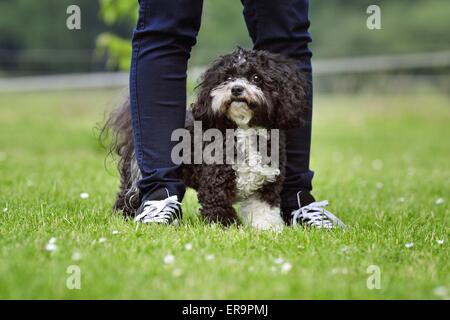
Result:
[
  {"x": 292, "y": 97},
  {"x": 201, "y": 108}
]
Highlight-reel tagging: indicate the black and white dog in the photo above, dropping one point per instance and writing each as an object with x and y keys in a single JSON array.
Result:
[{"x": 244, "y": 91}]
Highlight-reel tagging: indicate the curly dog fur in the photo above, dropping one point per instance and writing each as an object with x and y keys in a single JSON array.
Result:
[{"x": 268, "y": 91}]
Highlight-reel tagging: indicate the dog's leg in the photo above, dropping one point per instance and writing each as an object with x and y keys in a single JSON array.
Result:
[
  {"x": 261, "y": 215},
  {"x": 262, "y": 209},
  {"x": 216, "y": 194}
]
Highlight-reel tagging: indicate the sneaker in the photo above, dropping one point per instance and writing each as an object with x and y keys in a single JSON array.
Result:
[
  {"x": 165, "y": 211},
  {"x": 315, "y": 215}
]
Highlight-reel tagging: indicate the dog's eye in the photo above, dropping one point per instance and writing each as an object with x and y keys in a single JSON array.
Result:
[
  {"x": 256, "y": 78},
  {"x": 229, "y": 78}
]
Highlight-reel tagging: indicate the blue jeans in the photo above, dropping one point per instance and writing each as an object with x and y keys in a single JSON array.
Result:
[{"x": 162, "y": 41}]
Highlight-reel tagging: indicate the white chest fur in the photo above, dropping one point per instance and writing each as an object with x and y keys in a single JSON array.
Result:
[{"x": 252, "y": 172}]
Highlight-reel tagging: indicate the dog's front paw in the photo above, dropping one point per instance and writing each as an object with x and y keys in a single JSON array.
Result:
[
  {"x": 223, "y": 216},
  {"x": 264, "y": 225},
  {"x": 260, "y": 215}
]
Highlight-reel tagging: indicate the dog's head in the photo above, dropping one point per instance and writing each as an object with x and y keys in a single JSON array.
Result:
[{"x": 250, "y": 88}]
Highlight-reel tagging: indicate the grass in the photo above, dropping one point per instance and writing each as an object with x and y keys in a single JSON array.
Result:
[{"x": 382, "y": 161}]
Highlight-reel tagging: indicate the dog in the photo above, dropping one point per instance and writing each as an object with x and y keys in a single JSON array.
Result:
[{"x": 246, "y": 90}]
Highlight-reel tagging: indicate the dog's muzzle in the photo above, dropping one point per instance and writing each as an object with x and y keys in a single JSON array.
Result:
[
  {"x": 237, "y": 100},
  {"x": 240, "y": 113}
]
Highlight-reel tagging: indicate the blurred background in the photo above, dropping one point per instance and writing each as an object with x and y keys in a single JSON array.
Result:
[{"x": 412, "y": 49}]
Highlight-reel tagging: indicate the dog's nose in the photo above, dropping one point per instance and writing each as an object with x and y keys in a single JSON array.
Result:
[{"x": 237, "y": 90}]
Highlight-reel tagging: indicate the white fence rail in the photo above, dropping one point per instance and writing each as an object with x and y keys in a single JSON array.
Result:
[
  {"x": 65, "y": 82},
  {"x": 351, "y": 65},
  {"x": 383, "y": 63}
]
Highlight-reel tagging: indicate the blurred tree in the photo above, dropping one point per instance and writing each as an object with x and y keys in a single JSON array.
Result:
[
  {"x": 118, "y": 48},
  {"x": 34, "y": 37},
  {"x": 338, "y": 28},
  {"x": 222, "y": 28}
]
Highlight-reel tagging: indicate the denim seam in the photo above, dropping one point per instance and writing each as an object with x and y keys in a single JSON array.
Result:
[
  {"x": 139, "y": 154},
  {"x": 255, "y": 10}
]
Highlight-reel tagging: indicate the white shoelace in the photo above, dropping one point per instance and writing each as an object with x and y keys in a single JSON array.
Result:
[
  {"x": 315, "y": 215},
  {"x": 159, "y": 211}
]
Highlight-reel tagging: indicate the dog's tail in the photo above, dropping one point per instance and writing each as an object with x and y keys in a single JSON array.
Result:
[{"x": 117, "y": 132}]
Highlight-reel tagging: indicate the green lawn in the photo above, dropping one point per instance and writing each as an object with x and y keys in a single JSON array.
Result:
[{"x": 382, "y": 161}]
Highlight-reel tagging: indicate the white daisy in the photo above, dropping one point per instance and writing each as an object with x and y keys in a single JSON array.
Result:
[
  {"x": 84, "y": 195},
  {"x": 76, "y": 256},
  {"x": 169, "y": 259},
  {"x": 279, "y": 260},
  {"x": 409, "y": 245},
  {"x": 286, "y": 267},
  {"x": 51, "y": 245},
  {"x": 188, "y": 246}
]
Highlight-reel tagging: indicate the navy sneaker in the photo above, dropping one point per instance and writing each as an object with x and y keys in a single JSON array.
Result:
[
  {"x": 312, "y": 213},
  {"x": 160, "y": 207}
]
